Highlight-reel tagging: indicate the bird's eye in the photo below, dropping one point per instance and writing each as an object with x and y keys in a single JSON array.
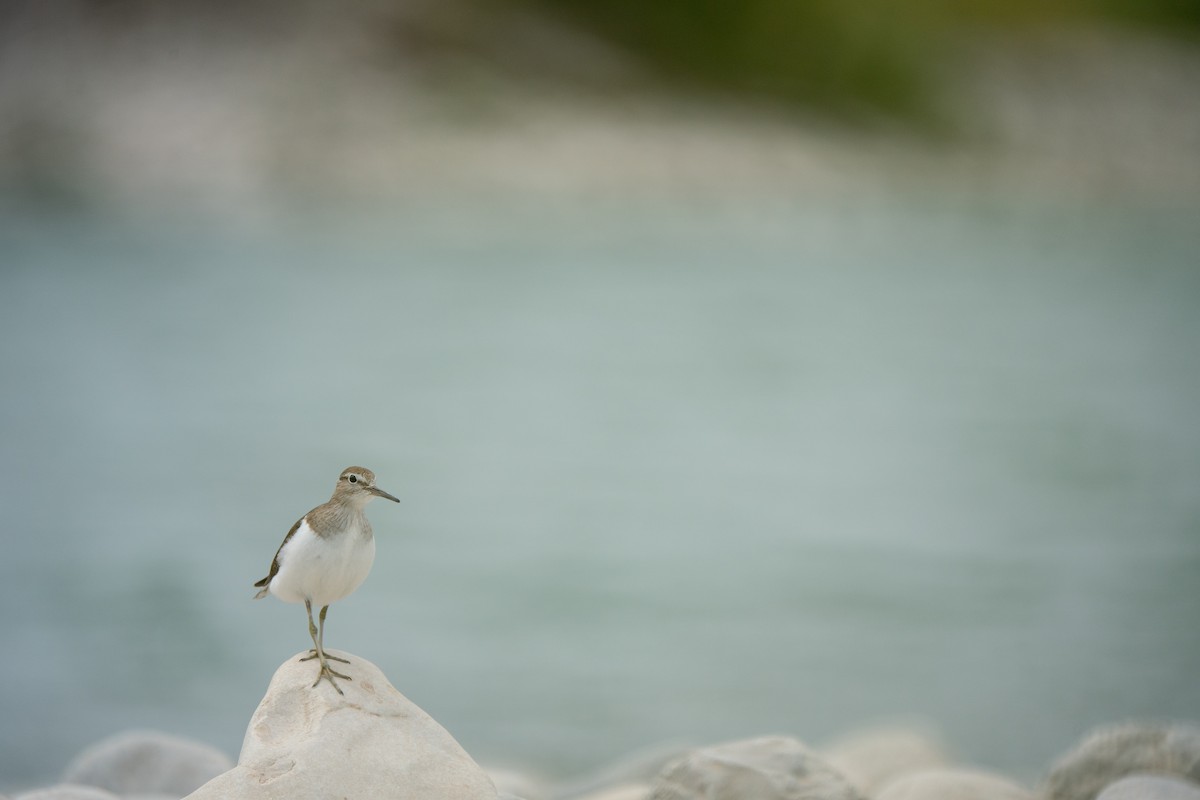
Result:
[{"x": 353, "y": 479}]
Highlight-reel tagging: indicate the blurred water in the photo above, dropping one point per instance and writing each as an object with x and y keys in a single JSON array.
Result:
[{"x": 667, "y": 473}]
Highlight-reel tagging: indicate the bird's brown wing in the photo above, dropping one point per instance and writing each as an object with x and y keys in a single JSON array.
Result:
[{"x": 275, "y": 561}]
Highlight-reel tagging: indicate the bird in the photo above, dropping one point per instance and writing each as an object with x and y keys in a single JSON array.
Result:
[{"x": 325, "y": 557}]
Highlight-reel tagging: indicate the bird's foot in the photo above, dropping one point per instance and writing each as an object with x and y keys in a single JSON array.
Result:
[
  {"x": 313, "y": 654},
  {"x": 329, "y": 674}
]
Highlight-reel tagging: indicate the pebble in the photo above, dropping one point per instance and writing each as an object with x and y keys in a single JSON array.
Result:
[
  {"x": 873, "y": 757},
  {"x": 768, "y": 768},
  {"x": 626, "y": 791},
  {"x": 1112, "y": 752},
  {"x": 952, "y": 784},
  {"x": 68, "y": 791},
  {"x": 147, "y": 762},
  {"x": 516, "y": 783},
  {"x": 1150, "y": 787}
]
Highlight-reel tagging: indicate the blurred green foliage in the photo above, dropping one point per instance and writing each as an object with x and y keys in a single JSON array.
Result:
[{"x": 859, "y": 58}]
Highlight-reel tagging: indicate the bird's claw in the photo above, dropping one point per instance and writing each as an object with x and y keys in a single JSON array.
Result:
[{"x": 329, "y": 675}]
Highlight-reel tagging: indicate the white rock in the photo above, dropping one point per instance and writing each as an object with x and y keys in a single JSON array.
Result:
[
  {"x": 638, "y": 768},
  {"x": 952, "y": 784},
  {"x": 310, "y": 742},
  {"x": 68, "y": 791},
  {"x": 1110, "y": 753},
  {"x": 769, "y": 768},
  {"x": 516, "y": 783},
  {"x": 147, "y": 762},
  {"x": 626, "y": 791},
  {"x": 1150, "y": 787},
  {"x": 872, "y": 757}
]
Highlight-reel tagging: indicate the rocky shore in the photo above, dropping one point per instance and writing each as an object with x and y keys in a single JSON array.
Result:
[{"x": 373, "y": 742}]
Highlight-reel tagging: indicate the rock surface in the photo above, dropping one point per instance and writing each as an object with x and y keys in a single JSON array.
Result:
[
  {"x": 147, "y": 762},
  {"x": 873, "y": 757},
  {"x": 626, "y": 791},
  {"x": 769, "y": 768},
  {"x": 310, "y": 742},
  {"x": 1110, "y": 753},
  {"x": 68, "y": 791},
  {"x": 952, "y": 784},
  {"x": 1150, "y": 787},
  {"x": 636, "y": 769},
  {"x": 516, "y": 783}
]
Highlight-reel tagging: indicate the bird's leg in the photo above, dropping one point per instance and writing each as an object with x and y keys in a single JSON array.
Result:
[
  {"x": 321, "y": 644},
  {"x": 321, "y": 640},
  {"x": 326, "y": 672},
  {"x": 312, "y": 629}
]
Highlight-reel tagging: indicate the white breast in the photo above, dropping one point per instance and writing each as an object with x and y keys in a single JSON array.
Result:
[{"x": 322, "y": 569}]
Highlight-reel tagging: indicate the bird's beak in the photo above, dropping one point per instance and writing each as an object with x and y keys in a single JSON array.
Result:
[{"x": 383, "y": 494}]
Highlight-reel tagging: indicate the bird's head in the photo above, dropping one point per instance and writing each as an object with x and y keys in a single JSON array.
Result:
[{"x": 356, "y": 485}]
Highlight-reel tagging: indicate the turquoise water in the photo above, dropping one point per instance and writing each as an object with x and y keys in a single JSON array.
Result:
[{"x": 668, "y": 473}]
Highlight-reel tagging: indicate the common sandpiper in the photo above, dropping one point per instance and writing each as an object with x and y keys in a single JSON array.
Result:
[{"x": 326, "y": 556}]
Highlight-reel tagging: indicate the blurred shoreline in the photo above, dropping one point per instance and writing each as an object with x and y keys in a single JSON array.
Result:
[{"x": 236, "y": 118}]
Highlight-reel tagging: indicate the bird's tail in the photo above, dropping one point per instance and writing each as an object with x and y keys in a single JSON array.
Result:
[{"x": 265, "y": 583}]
